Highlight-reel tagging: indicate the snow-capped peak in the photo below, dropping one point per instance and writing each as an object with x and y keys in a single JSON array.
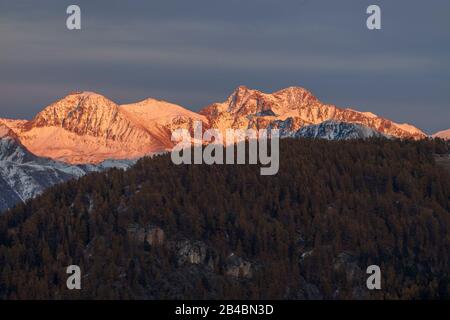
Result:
[
  {"x": 153, "y": 109},
  {"x": 87, "y": 127},
  {"x": 409, "y": 128},
  {"x": 248, "y": 108},
  {"x": 5, "y": 131},
  {"x": 75, "y": 105}
]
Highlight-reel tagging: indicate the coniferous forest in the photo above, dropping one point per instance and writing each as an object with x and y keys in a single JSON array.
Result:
[{"x": 161, "y": 231}]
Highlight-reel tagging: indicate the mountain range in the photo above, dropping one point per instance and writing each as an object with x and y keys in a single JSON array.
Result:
[{"x": 85, "y": 132}]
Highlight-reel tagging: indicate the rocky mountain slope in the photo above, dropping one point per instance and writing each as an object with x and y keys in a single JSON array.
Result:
[
  {"x": 86, "y": 131},
  {"x": 444, "y": 134},
  {"x": 291, "y": 109},
  {"x": 24, "y": 175},
  {"x": 85, "y": 127}
]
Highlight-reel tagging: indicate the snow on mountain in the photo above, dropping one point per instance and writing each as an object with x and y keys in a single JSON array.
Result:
[
  {"x": 24, "y": 175},
  {"x": 86, "y": 127},
  {"x": 152, "y": 112},
  {"x": 161, "y": 118},
  {"x": 444, "y": 134},
  {"x": 337, "y": 130},
  {"x": 296, "y": 107},
  {"x": 85, "y": 132}
]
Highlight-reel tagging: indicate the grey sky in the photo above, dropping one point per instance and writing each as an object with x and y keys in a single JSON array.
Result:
[{"x": 196, "y": 52}]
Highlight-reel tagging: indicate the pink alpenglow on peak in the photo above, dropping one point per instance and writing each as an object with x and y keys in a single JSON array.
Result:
[
  {"x": 444, "y": 134},
  {"x": 86, "y": 127},
  {"x": 293, "y": 108},
  {"x": 5, "y": 131}
]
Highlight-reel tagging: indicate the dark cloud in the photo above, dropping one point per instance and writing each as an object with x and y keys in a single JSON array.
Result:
[{"x": 196, "y": 52}]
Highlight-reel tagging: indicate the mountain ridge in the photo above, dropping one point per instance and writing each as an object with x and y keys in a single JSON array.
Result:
[
  {"x": 443, "y": 134},
  {"x": 24, "y": 175},
  {"x": 337, "y": 130},
  {"x": 162, "y": 231},
  {"x": 87, "y": 127}
]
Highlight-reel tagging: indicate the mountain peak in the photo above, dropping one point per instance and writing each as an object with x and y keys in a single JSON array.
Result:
[
  {"x": 292, "y": 89},
  {"x": 74, "y": 105},
  {"x": 86, "y": 98},
  {"x": 86, "y": 127},
  {"x": 83, "y": 98},
  {"x": 242, "y": 91},
  {"x": 84, "y": 93},
  {"x": 151, "y": 103},
  {"x": 154, "y": 109},
  {"x": 242, "y": 88},
  {"x": 297, "y": 95},
  {"x": 337, "y": 130},
  {"x": 293, "y": 95}
]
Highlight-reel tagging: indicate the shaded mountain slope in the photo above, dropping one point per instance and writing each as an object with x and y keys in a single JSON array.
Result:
[{"x": 24, "y": 175}]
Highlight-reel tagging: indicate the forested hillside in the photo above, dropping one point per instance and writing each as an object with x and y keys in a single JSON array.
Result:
[{"x": 224, "y": 231}]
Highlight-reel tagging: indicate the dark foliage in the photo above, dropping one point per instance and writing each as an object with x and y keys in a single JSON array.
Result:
[{"x": 310, "y": 231}]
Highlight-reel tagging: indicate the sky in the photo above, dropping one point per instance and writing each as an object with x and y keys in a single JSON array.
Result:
[{"x": 197, "y": 52}]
